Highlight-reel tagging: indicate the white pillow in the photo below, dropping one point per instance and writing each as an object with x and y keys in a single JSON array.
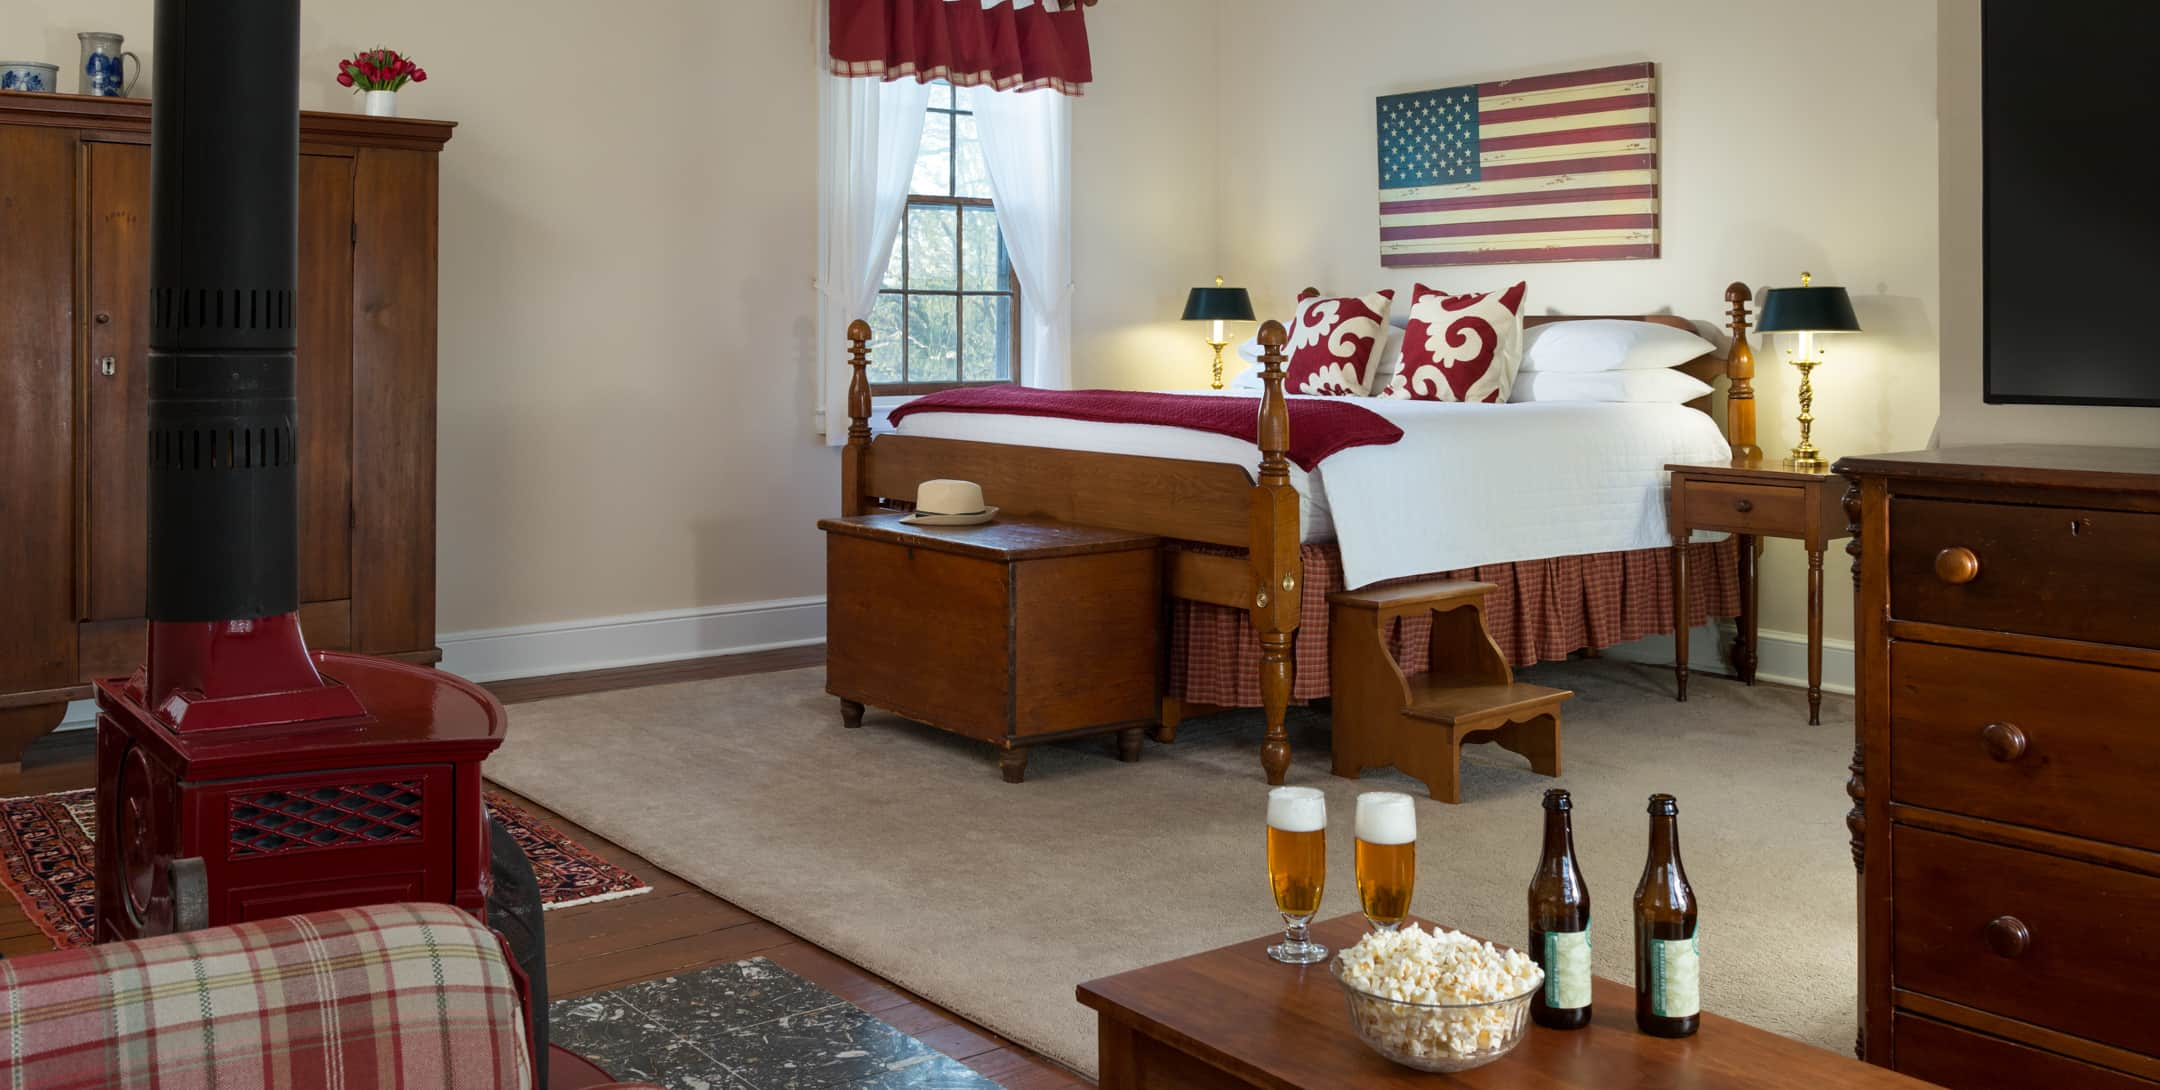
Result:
[
  {"x": 1390, "y": 355},
  {"x": 1608, "y": 344},
  {"x": 1654, "y": 387}
]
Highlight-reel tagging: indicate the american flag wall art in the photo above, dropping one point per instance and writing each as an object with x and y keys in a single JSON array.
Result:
[{"x": 1549, "y": 168}]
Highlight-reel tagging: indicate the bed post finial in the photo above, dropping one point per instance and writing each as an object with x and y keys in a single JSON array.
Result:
[
  {"x": 855, "y": 460},
  {"x": 1740, "y": 367},
  {"x": 1277, "y": 562},
  {"x": 1274, "y": 431}
]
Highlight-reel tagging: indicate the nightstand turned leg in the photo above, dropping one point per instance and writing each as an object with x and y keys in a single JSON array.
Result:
[
  {"x": 1743, "y": 647},
  {"x": 850, "y": 713},
  {"x": 1814, "y": 637},
  {"x": 1012, "y": 763},
  {"x": 1680, "y": 615}
]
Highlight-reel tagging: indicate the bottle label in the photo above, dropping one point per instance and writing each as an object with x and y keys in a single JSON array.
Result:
[
  {"x": 1676, "y": 976},
  {"x": 1567, "y": 968}
]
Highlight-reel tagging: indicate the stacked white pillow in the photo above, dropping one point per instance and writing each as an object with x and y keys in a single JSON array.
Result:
[{"x": 1609, "y": 359}]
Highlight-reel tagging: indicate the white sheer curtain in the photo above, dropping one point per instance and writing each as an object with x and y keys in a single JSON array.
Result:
[
  {"x": 1027, "y": 144},
  {"x": 869, "y": 133}
]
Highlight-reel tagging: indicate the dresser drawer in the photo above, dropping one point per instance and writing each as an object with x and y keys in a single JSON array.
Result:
[
  {"x": 1938, "y": 1053},
  {"x": 2068, "y": 746},
  {"x": 1745, "y": 508},
  {"x": 2046, "y": 571},
  {"x": 2086, "y": 961}
]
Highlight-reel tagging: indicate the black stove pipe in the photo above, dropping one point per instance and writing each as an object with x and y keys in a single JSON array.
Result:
[{"x": 224, "y": 449}]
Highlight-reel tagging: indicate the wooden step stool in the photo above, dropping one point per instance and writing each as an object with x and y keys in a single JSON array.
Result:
[{"x": 1419, "y": 724}]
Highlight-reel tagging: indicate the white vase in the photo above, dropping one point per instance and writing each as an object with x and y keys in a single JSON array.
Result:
[{"x": 380, "y": 103}]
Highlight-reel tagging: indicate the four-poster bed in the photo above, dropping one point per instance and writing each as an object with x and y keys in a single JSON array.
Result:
[{"x": 1243, "y": 523}]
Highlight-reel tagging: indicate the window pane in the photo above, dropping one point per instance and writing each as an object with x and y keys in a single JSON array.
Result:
[
  {"x": 987, "y": 325},
  {"x": 941, "y": 95},
  {"x": 971, "y": 176},
  {"x": 885, "y": 339},
  {"x": 982, "y": 266},
  {"x": 933, "y": 160},
  {"x": 933, "y": 248},
  {"x": 897, "y": 265},
  {"x": 933, "y": 338}
]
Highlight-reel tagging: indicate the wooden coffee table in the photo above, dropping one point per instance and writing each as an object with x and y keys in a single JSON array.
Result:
[{"x": 1233, "y": 1018}]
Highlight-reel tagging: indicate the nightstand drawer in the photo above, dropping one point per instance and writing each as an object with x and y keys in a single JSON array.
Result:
[
  {"x": 1745, "y": 508},
  {"x": 2069, "y": 572},
  {"x": 2039, "y": 938},
  {"x": 2041, "y": 743}
]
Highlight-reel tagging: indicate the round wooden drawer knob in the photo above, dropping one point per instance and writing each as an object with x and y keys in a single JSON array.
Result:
[
  {"x": 1957, "y": 564},
  {"x": 2007, "y": 936},
  {"x": 1743, "y": 506},
  {"x": 2005, "y": 742}
]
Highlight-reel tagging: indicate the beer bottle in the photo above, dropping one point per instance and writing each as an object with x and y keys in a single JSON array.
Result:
[
  {"x": 1668, "y": 999},
  {"x": 1560, "y": 923}
]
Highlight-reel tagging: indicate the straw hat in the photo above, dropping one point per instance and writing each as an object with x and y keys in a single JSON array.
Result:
[{"x": 950, "y": 503}]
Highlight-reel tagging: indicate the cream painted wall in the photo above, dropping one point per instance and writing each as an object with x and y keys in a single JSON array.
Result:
[
  {"x": 627, "y": 257},
  {"x": 1965, "y": 418},
  {"x": 1794, "y": 137}
]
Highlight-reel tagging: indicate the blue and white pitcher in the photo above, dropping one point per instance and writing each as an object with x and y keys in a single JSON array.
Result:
[{"x": 104, "y": 67}]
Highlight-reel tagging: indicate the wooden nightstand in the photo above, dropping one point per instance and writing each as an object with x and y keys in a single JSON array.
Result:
[{"x": 1753, "y": 500}]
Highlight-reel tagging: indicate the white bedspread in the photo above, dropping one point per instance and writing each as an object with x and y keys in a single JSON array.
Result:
[{"x": 1466, "y": 485}]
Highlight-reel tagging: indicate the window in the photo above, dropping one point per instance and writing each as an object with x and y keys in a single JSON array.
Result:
[{"x": 947, "y": 314}]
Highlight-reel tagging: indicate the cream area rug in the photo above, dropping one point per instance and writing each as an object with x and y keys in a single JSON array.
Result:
[{"x": 898, "y": 847}]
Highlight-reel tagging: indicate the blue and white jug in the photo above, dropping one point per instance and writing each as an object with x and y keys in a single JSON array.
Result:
[{"x": 104, "y": 69}]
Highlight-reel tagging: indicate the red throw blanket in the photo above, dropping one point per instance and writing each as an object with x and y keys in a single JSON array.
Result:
[{"x": 1318, "y": 428}]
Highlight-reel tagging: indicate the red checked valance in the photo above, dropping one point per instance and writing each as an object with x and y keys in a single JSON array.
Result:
[{"x": 1003, "y": 44}]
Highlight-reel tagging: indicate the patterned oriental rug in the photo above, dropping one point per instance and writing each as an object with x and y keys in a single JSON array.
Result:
[{"x": 46, "y": 861}]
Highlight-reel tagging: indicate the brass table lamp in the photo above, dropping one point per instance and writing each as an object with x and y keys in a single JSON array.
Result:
[
  {"x": 1217, "y": 305},
  {"x": 1806, "y": 311}
]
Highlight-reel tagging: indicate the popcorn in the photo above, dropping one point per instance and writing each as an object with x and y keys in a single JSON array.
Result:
[{"x": 1412, "y": 965}]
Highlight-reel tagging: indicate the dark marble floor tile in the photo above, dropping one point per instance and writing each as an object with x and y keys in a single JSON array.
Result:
[
  {"x": 710, "y": 1002},
  {"x": 932, "y": 1073},
  {"x": 834, "y": 1047},
  {"x": 631, "y": 1046}
]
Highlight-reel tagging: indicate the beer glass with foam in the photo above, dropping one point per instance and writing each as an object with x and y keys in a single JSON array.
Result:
[
  {"x": 1386, "y": 857},
  {"x": 1297, "y": 868}
]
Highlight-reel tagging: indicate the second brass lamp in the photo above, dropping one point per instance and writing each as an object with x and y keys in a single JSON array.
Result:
[
  {"x": 1215, "y": 306},
  {"x": 1806, "y": 311}
]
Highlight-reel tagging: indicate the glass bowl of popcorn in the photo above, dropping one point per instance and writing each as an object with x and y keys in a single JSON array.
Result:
[{"x": 1437, "y": 1000}]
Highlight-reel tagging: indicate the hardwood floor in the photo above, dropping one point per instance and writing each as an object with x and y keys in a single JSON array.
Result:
[{"x": 675, "y": 928}]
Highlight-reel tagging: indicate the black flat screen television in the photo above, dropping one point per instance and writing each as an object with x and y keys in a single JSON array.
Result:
[{"x": 2071, "y": 247}]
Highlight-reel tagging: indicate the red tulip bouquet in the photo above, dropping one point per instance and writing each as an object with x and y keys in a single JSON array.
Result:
[{"x": 379, "y": 70}]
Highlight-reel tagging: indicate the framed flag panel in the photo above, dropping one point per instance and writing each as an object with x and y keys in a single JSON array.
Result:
[{"x": 1549, "y": 168}]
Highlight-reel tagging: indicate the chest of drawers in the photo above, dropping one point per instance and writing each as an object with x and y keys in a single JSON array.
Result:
[{"x": 2005, "y": 781}]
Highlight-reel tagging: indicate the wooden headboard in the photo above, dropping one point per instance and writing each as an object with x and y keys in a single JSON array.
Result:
[{"x": 1738, "y": 363}]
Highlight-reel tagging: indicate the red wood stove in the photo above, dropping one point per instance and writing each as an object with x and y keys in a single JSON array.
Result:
[
  {"x": 240, "y": 776},
  {"x": 217, "y": 824}
]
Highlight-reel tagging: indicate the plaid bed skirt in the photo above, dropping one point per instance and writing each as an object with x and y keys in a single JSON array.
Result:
[{"x": 1544, "y": 610}]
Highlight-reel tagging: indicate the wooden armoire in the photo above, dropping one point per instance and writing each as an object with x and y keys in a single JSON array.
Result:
[{"x": 74, "y": 296}]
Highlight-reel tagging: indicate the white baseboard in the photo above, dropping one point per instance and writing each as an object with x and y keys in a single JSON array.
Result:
[
  {"x": 639, "y": 639},
  {"x": 1780, "y": 657}
]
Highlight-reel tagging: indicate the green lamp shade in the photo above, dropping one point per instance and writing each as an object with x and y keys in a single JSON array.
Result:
[
  {"x": 1807, "y": 310},
  {"x": 1219, "y": 304}
]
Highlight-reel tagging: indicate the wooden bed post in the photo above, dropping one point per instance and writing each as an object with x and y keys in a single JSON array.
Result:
[
  {"x": 1275, "y": 557},
  {"x": 1740, "y": 367},
  {"x": 855, "y": 458}
]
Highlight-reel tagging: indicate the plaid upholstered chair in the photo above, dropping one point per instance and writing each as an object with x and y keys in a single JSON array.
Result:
[{"x": 407, "y": 995}]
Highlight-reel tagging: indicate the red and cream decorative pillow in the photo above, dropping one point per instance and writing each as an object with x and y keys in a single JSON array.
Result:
[
  {"x": 1335, "y": 344},
  {"x": 1460, "y": 347}
]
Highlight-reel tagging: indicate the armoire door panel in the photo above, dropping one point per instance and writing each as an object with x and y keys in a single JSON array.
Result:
[
  {"x": 37, "y": 431},
  {"x": 116, "y": 330},
  {"x": 324, "y": 327}
]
